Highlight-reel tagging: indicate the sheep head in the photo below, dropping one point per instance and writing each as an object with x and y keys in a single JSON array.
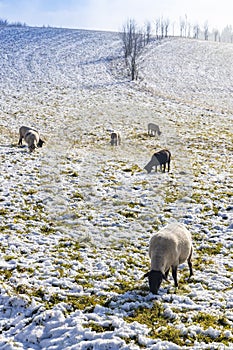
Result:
[
  {"x": 155, "y": 279},
  {"x": 40, "y": 143}
]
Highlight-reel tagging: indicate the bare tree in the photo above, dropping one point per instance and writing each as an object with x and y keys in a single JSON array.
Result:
[
  {"x": 226, "y": 34},
  {"x": 148, "y": 32},
  {"x": 127, "y": 37},
  {"x": 196, "y": 31},
  {"x": 189, "y": 30},
  {"x": 162, "y": 28},
  {"x": 157, "y": 26},
  {"x": 182, "y": 26},
  {"x": 133, "y": 43},
  {"x": 216, "y": 34},
  {"x": 166, "y": 26},
  {"x": 185, "y": 25},
  {"x": 3, "y": 22},
  {"x": 206, "y": 30}
]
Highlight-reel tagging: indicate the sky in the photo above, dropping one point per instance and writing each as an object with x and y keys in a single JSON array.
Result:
[{"x": 113, "y": 14}]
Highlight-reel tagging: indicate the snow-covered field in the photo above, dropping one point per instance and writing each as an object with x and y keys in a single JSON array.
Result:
[{"x": 77, "y": 214}]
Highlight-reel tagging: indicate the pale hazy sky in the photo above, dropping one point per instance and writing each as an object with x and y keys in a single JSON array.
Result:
[{"x": 112, "y": 14}]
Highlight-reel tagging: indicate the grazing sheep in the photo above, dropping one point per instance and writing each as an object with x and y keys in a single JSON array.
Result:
[
  {"x": 169, "y": 247},
  {"x": 115, "y": 139},
  {"x": 31, "y": 137},
  {"x": 153, "y": 129},
  {"x": 159, "y": 158}
]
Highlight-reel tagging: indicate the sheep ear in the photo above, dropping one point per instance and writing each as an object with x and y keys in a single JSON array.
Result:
[{"x": 146, "y": 274}]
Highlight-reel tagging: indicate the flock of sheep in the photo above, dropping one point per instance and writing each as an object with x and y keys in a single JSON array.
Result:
[
  {"x": 170, "y": 246},
  {"x": 160, "y": 158}
]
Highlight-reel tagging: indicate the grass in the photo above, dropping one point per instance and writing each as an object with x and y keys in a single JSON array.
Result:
[
  {"x": 5, "y": 274},
  {"x": 29, "y": 192},
  {"x": 213, "y": 249},
  {"x": 128, "y": 214},
  {"x": 78, "y": 195},
  {"x": 47, "y": 229},
  {"x": 3, "y": 212},
  {"x": 84, "y": 302},
  {"x": 162, "y": 328},
  {"x": 156, "y": 322},
  {"x": 207, "y": 320},
  {"x": 133, "y": 169},
  {"x": 95, "y": 327}
]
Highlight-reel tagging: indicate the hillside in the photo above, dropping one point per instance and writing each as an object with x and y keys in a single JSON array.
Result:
[
  {"x": 195, "y": 72},
  {"x": 77, "y": 215}
]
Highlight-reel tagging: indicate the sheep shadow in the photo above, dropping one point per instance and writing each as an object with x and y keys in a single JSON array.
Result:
[{"x": 12, "y": 148}]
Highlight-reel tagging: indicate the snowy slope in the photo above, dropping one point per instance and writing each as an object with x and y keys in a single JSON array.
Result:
[
  {"x": 77, "y": 215},
  {"x": 192, "y": 71}
]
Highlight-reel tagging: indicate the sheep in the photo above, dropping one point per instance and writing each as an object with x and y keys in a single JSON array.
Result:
[
  {"x": 115, "y": 139},
  {"x": 159, "y": 158},
  {"x": 31, "y": 136},
  {"x": 153, "y": 129},
  {"x": 168, "y": 248}
]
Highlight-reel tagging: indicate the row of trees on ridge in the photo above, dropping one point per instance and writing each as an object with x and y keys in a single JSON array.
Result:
[
  {"x": 5, "y": 23},
  {"x": 134, "y": 39}
]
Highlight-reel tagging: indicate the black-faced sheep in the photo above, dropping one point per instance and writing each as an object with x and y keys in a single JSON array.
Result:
[
  {"x": 159, "y": 158},
  {"x": 31, "y": 137},
  {"x": 169, "y": 247},
  {"x": 115, "y": 139},
  {"x": 153, "y": 129}
]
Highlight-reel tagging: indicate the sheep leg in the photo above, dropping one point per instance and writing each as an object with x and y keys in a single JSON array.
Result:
[
  {"x": 168, "y": 165},
  {"x": 166, "y": 273},
  {"x": 190, "y": 265},
  {"x": 20, "y": 141},
  {"x": 190, "y": 268},
  {"x": 174, "y": 275}
]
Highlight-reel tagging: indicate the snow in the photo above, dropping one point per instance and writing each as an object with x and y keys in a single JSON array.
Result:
[{"x": 77, "y": 215}]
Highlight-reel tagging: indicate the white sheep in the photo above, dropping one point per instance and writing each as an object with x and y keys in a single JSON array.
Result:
[
  {"x": 153, "y": 129},
  {"x": 169, "y": 247},
  {"x": 115, "y": 139},
  {"x": 160, "y": 158},
  {"x": 31, "y": 137}
]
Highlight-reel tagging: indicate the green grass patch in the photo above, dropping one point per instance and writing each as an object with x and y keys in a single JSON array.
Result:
[
  {"x": 9, "y": 257},
  {"x": 128, "y": 214},
  {"x": 5, "y": 274},
  {"x": 206, "y": 320},
  {"x": 77, "y": 195},
  {"x": 85, "y": 302},
  {"x": 3, "y": 212},
  {"x": 159, "y": 327},
  {"x": 213, "y": 250},
  {"x": 100, "y": 329},
  {"x": 133, "y": 169},
  {"x": 47, "y": 229},
  {"x": 29, "y": 192}
]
